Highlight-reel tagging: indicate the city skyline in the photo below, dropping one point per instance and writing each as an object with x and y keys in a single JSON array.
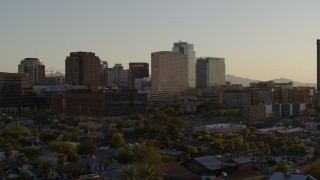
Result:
[{"x": 259, "y": 40}]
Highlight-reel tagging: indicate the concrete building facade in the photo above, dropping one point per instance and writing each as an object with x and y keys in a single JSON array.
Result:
[
  {"x": 169, "y": 71},
  {"x": 82, "y": 68}
]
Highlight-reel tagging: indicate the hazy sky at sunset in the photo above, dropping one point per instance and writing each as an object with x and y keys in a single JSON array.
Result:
[{"x": 259, "y": 39}]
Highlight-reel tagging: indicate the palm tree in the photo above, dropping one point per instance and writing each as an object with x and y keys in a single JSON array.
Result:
[
  {"x": 62, "y": 161},
  {"x": 264, "y": 150},
  {"x": 252, "y": 146},
  {"x": 238, "y": 144},
  {"x": 245, "y": 133},
  {"x": 130, "y": 172}
]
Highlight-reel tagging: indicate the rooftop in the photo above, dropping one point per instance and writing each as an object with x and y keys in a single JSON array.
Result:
[{"x": 210, "y": 162}]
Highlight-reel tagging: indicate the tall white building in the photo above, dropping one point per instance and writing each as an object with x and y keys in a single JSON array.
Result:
[
  {"x": 187, "y": 49},
  {"x": 211, "y": 71}
]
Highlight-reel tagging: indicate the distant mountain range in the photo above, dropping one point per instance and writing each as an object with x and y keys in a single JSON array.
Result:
[
  {"x": 245, "y": 81},
  {"x": 56, "y": 74},
  {"x": 234, "y": 80}
]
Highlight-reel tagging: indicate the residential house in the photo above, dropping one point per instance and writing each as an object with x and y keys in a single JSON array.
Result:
[
  {"x": 239, "y": 165},
  {"x": 288, "y": 176},
  {"x": 96, "y": 163},
  {"x": 174, "y": 171},
  {"x": 113, "y": 172},
  {"x": 204, "y": 165},
  {"x": 179, "y": 155},
  {"x": 296, "y": 157}
]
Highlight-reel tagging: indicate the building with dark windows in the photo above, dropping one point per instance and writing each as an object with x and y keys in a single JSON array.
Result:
[
  {"x": 82, "y": 68},
  {"x": 16, "y": 92},
  {"x": 137, "y": 71},
  {"x": 111, "y": 102},
  {"x": 34, "y": 68},
  {"x": 118, "y": 77},
  {"x": 210, "y": 71},
  {"x": 104, "y": 72}
]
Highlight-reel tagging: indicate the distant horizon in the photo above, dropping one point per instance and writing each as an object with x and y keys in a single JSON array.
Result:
[
  {"x": 261, "y": 40},
  {"x": 280, "y": 78}
]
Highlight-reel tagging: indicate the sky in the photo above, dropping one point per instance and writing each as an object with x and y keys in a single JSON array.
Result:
[{"x": 259, "y": 39}]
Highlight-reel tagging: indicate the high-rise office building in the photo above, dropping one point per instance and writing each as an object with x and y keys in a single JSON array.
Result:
[
  {"x": 34, "y": 68},
  {"x": 117, "y": 76},
  {"x": 169, "y": 71},
  {"x": 137, "y": 71},
  {"x": 318, "y": 64},
  {"x": 104, "y": 72},
  {"x": 210, "y": 71},
  {"x": 82, "y": 68},
  {"x": 16, "y": 90},
  {"x": 187, "y": 49}
]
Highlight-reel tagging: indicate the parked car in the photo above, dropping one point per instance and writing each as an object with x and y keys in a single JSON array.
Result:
[{"x": 295, "y": 171}]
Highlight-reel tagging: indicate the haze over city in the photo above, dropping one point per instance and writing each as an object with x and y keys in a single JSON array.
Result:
[{"x": 259, "y": 39}]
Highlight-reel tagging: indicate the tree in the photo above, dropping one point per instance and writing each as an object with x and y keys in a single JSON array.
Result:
[
  {"x": 22, "y": 159},
  {"x": 24, "y": 176},
  {"x": 160, "y": 118},
  {"x": 125, "y": 155},
  {"x": 65, "y": 147},
  {"x": 313, "y": 169},
  {"x": 264, "y": 150},
  {"x": 8, "y": 152},
  {"x": 283, "y": 167},
  {"x": 62, "y": 161},
  {"x": 230, "y": 145},
  {"x": 245, "y": 133},
  {"x": 117, "y": 140},
  {"x": 137, "y": 116},
  {"x": 85, "y": 129},
  {"x": 30, "y": 152},
  {"x": 43, "y": 119},
  {"x": 238, "y": 143},
  {"x": 218, "y": 145},
  {"x": 149, "y": 172},
  {"x": 297, "y": 148},
  {"x": 170, "y": 111},
  {"x": 47, "y": 170},
  {"x": 87, "y": 147},
  {"x": 147, "y": 154},
  {"x": 130, "y": 172},
  {"x": 72, "y": 156},
  {"x": 271, "y": 140}
]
